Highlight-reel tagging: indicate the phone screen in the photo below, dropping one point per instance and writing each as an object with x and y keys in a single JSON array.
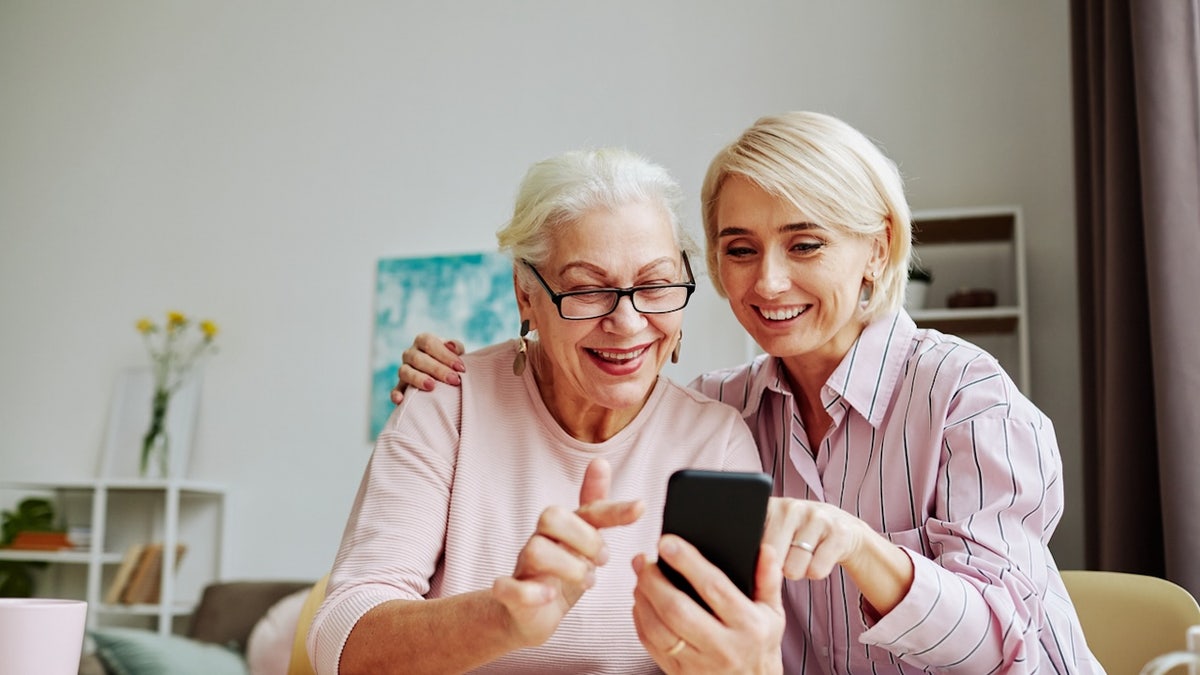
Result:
[{"x": 722, "y": 514}]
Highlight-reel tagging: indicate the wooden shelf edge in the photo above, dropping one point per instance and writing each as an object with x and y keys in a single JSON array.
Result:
[{"x": 970, "y": 325}]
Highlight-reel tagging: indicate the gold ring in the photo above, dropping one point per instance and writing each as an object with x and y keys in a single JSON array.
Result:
[
  {"x": 677, "y": 647},
  {"x": 804, "y": 546}
]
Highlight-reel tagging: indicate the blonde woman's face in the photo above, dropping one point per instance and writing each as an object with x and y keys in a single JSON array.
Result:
[
  {"x": 794, "y": 284},
  {"x": 611, "y": 362}
]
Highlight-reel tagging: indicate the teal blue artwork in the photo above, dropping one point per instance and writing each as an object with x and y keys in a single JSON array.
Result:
[{"x": 466, "y": 297}]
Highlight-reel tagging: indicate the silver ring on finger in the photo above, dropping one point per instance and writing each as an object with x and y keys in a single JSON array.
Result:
[{"x": 804, "y": 546}]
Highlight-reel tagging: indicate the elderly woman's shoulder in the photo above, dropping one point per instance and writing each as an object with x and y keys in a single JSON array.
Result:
[{"x": 496, "y": 357}]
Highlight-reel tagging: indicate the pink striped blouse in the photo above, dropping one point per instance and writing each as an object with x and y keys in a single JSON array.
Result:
[
  {"x": 933, "y": 446},
  {"x": 455, "y": 486}
]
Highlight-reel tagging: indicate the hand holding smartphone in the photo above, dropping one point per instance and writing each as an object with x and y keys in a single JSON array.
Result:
[{"x": 722, "y": 514}]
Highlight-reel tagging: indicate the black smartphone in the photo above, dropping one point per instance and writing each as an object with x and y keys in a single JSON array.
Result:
[{"x": 721, "y": 513}]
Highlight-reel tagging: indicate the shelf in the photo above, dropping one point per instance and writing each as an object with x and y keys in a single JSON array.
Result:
[
  {"x": 977, "y": 248},
  {"x": 969, "y": 320},
  {"x": 121, "y": 512},
  {"x": 132, "y": 484},
  {"x": 79, "y": 557},
  {"x": 961, "y": 227}
]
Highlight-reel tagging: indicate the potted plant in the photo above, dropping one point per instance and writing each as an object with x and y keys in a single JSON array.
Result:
[
  {"x": 919, "y": 279},
  {"x": 33, "y": 514}
]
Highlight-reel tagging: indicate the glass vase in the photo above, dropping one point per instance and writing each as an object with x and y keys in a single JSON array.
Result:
[
  {"x": 156, "y": 443},
  {"x": 155, "y": 455}
]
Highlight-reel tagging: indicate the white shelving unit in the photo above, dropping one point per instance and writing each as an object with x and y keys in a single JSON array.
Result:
[
  {"x": 121, "y": 512},
  {"x": 977, "y": 248}
]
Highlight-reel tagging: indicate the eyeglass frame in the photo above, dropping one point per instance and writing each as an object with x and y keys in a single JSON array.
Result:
[{"x": 557, "y": 298}]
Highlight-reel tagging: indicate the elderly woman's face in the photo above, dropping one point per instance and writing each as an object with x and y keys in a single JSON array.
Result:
[
  {"x": 613, "y": 361},
  {"x": 794, "y": 284}
]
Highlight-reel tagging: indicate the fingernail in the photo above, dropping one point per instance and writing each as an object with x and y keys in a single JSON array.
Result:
[
  {"x": 589, "y": 579},
  {"x": 602, "y": 556},
  {"x": 668, "y": 546},
  {"x": 460, "y": 366},
  {"x": 427, "y": 385},
  {"x": 454, "y": 379}
]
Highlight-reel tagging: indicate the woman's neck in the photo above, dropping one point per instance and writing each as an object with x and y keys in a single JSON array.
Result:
[
  {"x": 579, "y": 417},
  {"x": 807, "y": 374}
]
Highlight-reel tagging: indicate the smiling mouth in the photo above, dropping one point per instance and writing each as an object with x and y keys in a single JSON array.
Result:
[
  {"x": 781, "y": 313},
  {"x": 617, "y": 357}
]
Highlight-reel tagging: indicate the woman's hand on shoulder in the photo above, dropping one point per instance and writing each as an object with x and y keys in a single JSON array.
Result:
[
  {"x": 558, "y": 563},
  {"x": 429, "y": 360},
  {"x": 742, "y": 635}
]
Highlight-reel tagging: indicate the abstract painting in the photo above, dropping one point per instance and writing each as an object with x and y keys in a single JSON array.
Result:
[{"x": 467, "y": 297}]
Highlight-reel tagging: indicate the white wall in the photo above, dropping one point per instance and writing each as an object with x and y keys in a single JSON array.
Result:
[{"x": 250, "y": 162}]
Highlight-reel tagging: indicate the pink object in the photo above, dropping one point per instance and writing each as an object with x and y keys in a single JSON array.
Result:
[{"x": 40, "y": 635}]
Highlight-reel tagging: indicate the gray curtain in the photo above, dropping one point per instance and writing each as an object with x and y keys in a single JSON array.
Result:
[{"x": 1136, "y": 67}]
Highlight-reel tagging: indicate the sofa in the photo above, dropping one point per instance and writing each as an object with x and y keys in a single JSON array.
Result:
[{"x": 220, "y": 627}]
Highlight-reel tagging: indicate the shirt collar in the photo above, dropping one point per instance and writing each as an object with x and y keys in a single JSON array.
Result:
[
  {"x": 866, "y": 378},
  {"x": 766, "y": 374}
]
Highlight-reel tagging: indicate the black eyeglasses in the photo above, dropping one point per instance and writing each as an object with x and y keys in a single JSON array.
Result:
[{"x": 593, "y": 304}]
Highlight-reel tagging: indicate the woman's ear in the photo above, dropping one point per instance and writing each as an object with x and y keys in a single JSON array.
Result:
[
  {"x": 524, "y": 301},
  {"x": 881, "y": 250}
]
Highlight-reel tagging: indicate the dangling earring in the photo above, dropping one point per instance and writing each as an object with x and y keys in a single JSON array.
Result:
[
  {"x": 675, "y": 352},
  {"x": 522, "y": 350}
]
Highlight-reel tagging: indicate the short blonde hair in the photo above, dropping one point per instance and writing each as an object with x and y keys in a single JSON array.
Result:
[
  {"x": 831, "y": 172},
  {"x": 560, "y": 190}
]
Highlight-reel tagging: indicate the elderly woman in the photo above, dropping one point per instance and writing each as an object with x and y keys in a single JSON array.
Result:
[
  {"x": 917, "y": 489},
  {"x": 480, "y": 533}
]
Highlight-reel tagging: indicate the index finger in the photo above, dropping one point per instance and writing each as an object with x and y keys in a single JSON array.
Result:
[
  {"x": 784, "y": 518},
  {"x": 597, "y": 481}
]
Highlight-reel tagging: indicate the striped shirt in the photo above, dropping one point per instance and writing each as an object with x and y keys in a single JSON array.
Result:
[
  {"x": 456, "y": 484},
  {"x": 933, "y": 446}
]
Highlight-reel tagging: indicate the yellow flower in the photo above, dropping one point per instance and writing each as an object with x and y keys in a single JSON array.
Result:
[{"x": 176, "y": 349}]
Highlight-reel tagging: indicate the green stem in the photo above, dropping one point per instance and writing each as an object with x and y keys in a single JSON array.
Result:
[{"x": 162, "y": 397}]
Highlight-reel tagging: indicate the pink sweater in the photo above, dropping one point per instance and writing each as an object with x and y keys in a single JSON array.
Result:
[{"x": 455, "y": 486}]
